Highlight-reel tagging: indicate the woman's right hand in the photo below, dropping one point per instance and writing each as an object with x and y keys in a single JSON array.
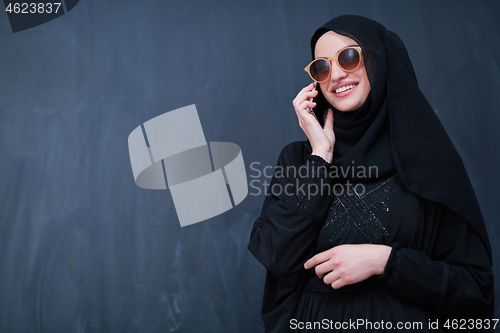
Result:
[{"x": 322, "y": 139}]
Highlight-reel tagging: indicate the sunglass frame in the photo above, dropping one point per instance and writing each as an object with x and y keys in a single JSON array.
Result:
[{"x": 336, "y": 57}]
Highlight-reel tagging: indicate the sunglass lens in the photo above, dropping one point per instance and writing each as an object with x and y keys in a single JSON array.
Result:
[
  {"x": 320, "y": 70},
  {"x": 349, "y": 59}
]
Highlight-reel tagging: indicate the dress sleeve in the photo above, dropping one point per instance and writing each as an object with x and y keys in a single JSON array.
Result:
[
  {"x": 298, "y": 198},
  {"x": 455, "y": 278}
]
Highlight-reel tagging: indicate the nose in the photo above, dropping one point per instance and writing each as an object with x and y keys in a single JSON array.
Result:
[{"x": 337, "y": 73}]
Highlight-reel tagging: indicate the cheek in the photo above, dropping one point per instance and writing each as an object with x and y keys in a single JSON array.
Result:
[
  {"x": 367, "y": 89},
  {"x": 326, "y": 93},
  {"x": 324, "y": 87},
  {"x": 366, "y": 82}
]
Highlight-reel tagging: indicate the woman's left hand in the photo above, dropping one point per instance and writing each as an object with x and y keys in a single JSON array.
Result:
[{"x": 349, "y": 263}]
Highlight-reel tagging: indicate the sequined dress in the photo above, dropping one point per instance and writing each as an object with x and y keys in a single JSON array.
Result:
[
  {"x": 358, "y": 218},
  {"x": 438, "y": 267}
]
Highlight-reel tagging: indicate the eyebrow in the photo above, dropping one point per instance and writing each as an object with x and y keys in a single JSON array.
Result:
[{"x": 337, "y": 51}]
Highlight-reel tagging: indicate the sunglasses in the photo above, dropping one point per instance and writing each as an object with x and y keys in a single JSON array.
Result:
[{"x": 348, "y": 59}]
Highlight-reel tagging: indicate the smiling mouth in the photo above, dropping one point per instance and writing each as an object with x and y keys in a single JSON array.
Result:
[{"x": 345, "y": 88}]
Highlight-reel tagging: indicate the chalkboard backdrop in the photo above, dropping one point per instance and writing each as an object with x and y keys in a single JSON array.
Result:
[{"x": 84, "y": 249}]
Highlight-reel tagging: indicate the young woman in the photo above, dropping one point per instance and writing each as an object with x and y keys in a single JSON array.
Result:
[{"x": 372, "y": 224}]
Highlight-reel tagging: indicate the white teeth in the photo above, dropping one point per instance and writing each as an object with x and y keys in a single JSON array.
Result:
[{"x": 344, "y": 88}]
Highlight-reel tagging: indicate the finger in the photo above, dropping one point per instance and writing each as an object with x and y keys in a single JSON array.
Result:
[
  {"x": 307, "y": 89},
  {"x": 310, "y": 106},
  {"x": 305, "y": 93},
  {"x": 311, "y": 94},
  {"x": 324, "y": 268},
  {"x": 303, "y": 110},
  {"x": 337, "y": 284},
  {"x": 306, "y": 105},
  {"x": 317, "y": 259},
  {"x": 304, "y": 98},
  {"x": 331, "y": 277}
]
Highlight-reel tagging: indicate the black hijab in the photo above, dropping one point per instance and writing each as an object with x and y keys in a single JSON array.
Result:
[{"x": 396, "y": 128}]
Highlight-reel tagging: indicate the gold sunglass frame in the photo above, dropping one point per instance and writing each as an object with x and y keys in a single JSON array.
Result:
[{"x": 336, "y": 57}]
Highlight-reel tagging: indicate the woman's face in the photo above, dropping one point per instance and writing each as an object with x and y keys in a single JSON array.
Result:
[{"x": 329, "y": 45}]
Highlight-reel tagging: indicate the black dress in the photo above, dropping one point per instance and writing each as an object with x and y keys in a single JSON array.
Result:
[{"x": 438, "y": 268}]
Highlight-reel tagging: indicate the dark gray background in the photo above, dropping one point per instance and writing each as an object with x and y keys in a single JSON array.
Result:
[{"x": 83, "y": 249}]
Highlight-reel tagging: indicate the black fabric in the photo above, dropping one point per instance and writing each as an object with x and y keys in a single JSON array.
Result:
[
  {"x": 438, "y": 268},
  {"x": 414, "y": 287},
  {"x": 396, "y": 130}
]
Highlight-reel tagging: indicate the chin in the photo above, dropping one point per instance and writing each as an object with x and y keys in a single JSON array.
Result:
[
  {"x": 345, "y": 107},
  {"x": 351, "y": 103}
]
